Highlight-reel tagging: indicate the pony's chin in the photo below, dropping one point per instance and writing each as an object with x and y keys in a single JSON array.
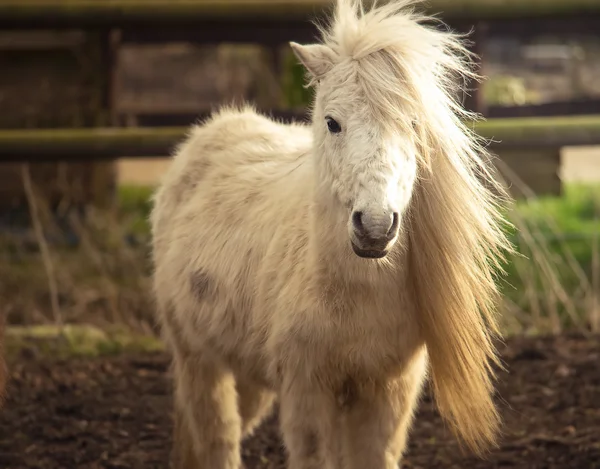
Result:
[{"x": 368, "y": 253}]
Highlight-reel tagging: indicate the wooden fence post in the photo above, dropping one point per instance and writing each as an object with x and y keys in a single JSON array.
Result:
[
  {"x": 58, "y": 80},
  {"x": 102, "y": 70}
]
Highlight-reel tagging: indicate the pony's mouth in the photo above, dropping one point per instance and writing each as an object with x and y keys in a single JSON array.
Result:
[{"x": 368, "y": 253}]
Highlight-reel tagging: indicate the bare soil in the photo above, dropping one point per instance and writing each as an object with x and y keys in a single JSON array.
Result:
[{"x": 114, "y": 412}]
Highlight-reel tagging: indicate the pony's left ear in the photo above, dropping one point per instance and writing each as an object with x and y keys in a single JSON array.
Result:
[{"x": 317, "y": 58}]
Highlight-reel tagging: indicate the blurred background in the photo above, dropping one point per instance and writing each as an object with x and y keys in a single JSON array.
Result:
[{"x": 95, "y": 94}]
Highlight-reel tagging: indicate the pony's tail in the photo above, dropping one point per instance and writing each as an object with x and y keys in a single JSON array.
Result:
[{"x": 455, "y": 238}]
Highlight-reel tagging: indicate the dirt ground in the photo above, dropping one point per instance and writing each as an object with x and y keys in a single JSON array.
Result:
[{"x": 114, "y": 413}]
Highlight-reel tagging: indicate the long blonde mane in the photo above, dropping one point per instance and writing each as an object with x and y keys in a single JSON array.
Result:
[{"x": 410, "y": 73}]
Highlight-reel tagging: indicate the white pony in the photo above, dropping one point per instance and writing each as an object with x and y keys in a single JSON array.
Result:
[{"x": 329, "y": 266}]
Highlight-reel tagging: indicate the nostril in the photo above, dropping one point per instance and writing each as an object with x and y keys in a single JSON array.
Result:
[
  {"x": 357, "y": 222},
  {"x": 394, "y": 226}
]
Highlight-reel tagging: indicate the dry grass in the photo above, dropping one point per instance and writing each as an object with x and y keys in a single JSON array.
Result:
[
  {"x": 84, "y": 269},
  {"x": 553, "y": 282}
]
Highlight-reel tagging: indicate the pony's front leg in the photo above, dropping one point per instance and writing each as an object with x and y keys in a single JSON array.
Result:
[
  {"x": 373, "y": 427},
  {"x": 207, "y": 421},
  {"x": 375, "y": 419},
  {"x": 307, "y": 422}
]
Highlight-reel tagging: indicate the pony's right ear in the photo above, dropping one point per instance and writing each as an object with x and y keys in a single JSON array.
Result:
[{"x": 317, "y": 58}]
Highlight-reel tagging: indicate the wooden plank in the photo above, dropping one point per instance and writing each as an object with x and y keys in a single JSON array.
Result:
[
  {"x": 528, "y": 27},
  {"x": 115, "y": 13},
  {"x": 267, "y": 32},
  {"x": 548, "y": 131},
  {"x": 558, "y": 108},
  {"x": 109, "y": 143},
  {"x": 40, "y": 40},
  {"x": 152, "y": 117},
  {"x": 87, "y": 143},
  {"x": 542, "y": 131}
]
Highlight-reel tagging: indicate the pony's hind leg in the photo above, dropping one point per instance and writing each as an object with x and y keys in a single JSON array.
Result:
[
  {"x": 208, "y": 424},
  {"x": 182, "y": 453},
  {"x": 255, "y": 403}
]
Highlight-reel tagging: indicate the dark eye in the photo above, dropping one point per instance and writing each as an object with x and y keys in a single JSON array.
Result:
[{"x": 333, "y": 126}]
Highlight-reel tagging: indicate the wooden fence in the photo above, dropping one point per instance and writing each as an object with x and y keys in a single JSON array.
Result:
[{"x": 93, "y": 136}]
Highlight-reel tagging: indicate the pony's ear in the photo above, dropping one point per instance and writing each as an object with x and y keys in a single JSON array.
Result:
[{"x": 317, "y": 58}]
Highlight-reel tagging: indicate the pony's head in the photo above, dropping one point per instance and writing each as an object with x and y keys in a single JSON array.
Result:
[
  {"x": 367, "y": 165},
  {"x": 375, "y": 74}
]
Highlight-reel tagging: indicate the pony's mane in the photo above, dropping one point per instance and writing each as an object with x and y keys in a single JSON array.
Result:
[{"x": 408, "y": 72}]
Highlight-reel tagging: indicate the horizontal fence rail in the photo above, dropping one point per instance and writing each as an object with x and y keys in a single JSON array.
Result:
[
  {"x": 556, "y": 108},
  {"x": 84, "y": 144},
  {"x": 168, "y": 118},
  {"x": 114, "y": 12}
]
